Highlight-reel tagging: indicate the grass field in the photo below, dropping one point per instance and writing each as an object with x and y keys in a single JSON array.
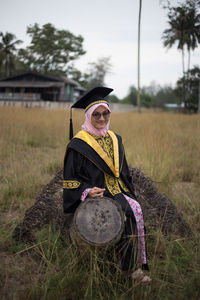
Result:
[{"x": 166, "y": 146}]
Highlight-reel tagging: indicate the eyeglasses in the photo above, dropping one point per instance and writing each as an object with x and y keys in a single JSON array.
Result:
[{"x": 105, "y": 114}]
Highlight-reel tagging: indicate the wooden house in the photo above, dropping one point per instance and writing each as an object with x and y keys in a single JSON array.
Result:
[{"x": 35, "y": 86}]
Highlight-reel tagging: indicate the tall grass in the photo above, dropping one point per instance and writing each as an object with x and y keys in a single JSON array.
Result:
[{"x": 33, "y": 141}]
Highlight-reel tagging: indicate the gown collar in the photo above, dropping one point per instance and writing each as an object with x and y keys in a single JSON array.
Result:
[{"x": 90, "y": 140}]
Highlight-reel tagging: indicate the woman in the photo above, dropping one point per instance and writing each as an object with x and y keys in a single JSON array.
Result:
[{"x": 95, "y": 166}]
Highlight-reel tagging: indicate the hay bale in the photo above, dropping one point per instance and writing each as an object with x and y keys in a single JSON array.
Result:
[
  {"x": 47, "y": 209},
  {"x": 158, "y": 210}
]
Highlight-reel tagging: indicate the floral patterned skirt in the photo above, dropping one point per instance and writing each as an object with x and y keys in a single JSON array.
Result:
[{"x": 137, "y": 211}]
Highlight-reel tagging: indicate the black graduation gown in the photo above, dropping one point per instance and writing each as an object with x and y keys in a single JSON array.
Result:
[{"x": 85, "y": 166}]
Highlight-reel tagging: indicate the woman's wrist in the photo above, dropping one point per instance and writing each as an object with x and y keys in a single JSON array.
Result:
[{"x": 85, "y": 194}]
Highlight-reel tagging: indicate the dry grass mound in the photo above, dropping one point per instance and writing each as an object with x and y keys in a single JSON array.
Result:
[{"x": 158, "y": 210}]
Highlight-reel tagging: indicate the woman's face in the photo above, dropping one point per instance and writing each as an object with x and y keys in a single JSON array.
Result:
[{"x": 100, "y": 117}]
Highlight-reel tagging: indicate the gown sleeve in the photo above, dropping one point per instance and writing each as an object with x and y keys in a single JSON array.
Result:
[{"x": 76, "y": 180}]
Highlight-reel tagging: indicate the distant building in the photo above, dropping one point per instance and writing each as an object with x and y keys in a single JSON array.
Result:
[
  {"x": 33, "y": 86},
  {"x": 174, "y": 106}
]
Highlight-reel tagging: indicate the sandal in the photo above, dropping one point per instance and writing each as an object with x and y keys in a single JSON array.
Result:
[{"x": 141, "y": 277}]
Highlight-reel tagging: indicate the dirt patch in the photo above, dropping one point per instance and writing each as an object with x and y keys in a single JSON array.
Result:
[{"x": 158, "y": 209}]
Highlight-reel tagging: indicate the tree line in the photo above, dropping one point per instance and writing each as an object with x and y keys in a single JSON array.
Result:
[
  {"x": 156, "y": 96},
  {"x": 53, "y": 52}
]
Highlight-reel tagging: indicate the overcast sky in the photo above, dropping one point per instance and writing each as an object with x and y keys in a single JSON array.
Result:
[{"x": 109, "y": 28}]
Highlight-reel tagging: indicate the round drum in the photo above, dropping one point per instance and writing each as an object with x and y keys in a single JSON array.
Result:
[{"x": 99, "y": 221}]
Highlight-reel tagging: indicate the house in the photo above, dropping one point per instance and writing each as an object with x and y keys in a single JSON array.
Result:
[{"x": 33, "y": 86}]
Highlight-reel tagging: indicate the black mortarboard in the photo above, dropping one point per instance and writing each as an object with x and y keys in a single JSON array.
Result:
[{"x": 94, "y": 96}]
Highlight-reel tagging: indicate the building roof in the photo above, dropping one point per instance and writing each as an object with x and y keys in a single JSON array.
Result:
[
  {"x": 34, "y": 79},
  {"x": 174, "y": 105},
  {"x": 36, "y": 84}
]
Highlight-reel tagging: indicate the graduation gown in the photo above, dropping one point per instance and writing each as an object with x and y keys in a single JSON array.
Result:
[{"x": 87, "y": 165}]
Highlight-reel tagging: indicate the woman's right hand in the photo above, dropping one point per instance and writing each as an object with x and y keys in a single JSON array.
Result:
[{"x": 96, "y": 192}]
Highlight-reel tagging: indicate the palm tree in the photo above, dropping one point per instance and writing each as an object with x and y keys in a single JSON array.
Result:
[
  {"x": 184, "y": 22},
  {"x": 8, "y": 49},
  {"x": 184, "y": 30}
]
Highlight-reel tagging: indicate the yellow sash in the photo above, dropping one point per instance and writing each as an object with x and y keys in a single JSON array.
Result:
[{"x": 90, "y": 140}]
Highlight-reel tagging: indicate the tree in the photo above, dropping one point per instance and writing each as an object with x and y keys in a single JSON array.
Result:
[
  {"x": 51, "y": 50},
  {"x": 131, "y": 98},
  {"x": 77, "y": 75},
  {"x": 8, "y": 50},
  {"x": 193, "y": 82},
  {"x": 113, "y": 99},
  {"x": 184, "y": 29},
  {"x": 165, "y": 94},
  {"x": 146, "y": 100},
  {"x": 152, "y": 89},
  {"x": 193, "y": 28},
  {"x": 152, "y": 96},
  {"x": 97, "y": 72}
]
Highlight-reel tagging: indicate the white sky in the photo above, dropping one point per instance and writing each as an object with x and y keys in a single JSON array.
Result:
[{"x": 109, "y": 28}]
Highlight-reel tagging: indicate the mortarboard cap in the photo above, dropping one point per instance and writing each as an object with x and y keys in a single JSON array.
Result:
[{"x": 94, "y": 96}]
